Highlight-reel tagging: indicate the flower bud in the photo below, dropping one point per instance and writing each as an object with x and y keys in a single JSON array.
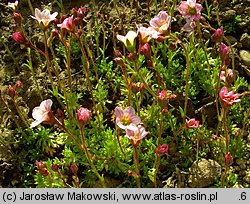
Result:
[
  {"x": 17, "y": 17},
  {"x": 118, "y": 60},
  {"x": 83, "y": 116},
  {"x": 214, "y": 137},
  {"x": 131, "y": 56},
  {"x": 60, "y": 115},
  {"x": 19, "y": 83},
  {"x": 223, "y": 50},
  {"x": 44, "y": 172},
  {"x": 172, "y": 46},
  {"x": 54, "y": 167},
  {"x": 135, "y": 88},
  {"x": 74, "y": 168},
  {"x": 164, "y": 111},
  {"x": 118, "y": 53},
  {"x": 150, "y": 63},
  {"x": 40, "y": 165},
  {"x": 73, "y": 11},
  {"x": 11, "y": 91},
  {"x": 81, "y": 12},
  {"x": 122, "y": 15},
  {"x": 162, "y": 149},
  {"x": 19, "y": 38},
  {"x": 228, "y": 160},
  {"x": 218, "y": 35},
  {"x": 116, "y": 29},
  {"x": 111, "y": 19},
  {"x": 132, "y": 173},
  {"x": 142, "y": 87},
  {"x": 146, "y": 50}
]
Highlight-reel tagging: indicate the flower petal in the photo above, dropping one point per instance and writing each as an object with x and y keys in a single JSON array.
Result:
[
  {"x": 129, "y": 110},
  {"x": 118, "y": 112},
  {"x": 37, "y": 113},
  {"x": 135, "y": 120},
  {"x": 35, "y": 123}
]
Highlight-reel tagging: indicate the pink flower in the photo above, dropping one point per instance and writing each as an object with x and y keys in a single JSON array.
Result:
[
  {"x": 160, "y": 25},
  {"x": 43, "y": 17},
  {"x": 190, "y": 10},
  {"x": 126, "y": 118},
  {"x": 83, "y": 116},
  {"x": 128, "y": 40},
  {"x": 192, "y": 123},
  {"x": 162, "y": 95},
  {"x": 145, "y": 34},
  {"x": 68, "y": 24},
  {"x": 162, "y": 149},
  {"x": 228, "y": 98},
  {"x": 42, "y": 113},
  {"x": 136, "y": 134}
]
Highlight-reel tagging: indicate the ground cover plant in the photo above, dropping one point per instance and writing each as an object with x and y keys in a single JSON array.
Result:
[{"x": 146, "y": 94}]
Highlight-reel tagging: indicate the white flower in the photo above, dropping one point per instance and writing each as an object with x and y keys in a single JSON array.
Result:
[
  {"x": 42, "y": 113},
  {"x": 13, "y": 5},
  {"x": 128, "y": 40},
  {"x": 44, "y": 17}
]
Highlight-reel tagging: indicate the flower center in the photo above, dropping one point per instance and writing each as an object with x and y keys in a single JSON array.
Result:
[
  {"x": 191, "y": 11},
  {"x": 125, "y": 120}
]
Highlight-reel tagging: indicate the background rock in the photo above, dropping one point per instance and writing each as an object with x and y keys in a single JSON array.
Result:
[{"x": 203, "y": 173}]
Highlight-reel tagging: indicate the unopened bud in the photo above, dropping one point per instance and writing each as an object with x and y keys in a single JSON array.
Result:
[
  {"x": 162, "y": 149},
  {"x": 18, "y": 18},
  {"x": 135, "y": 88},
  {"x": 60, "y": 114},
  {"x": 11, "y": 91},
  {"x": 164, "y": 111},
  {"x": 214, "y": 137},
  {"x": 81, "y": 12},
  {"x": 54, "y": 167},
  {"x": 116, "y": 29},
  {"x": 19, "y": 38},
  {"x": 172, "y": 46},
  {"x": 73, "y": 11},
  {"x": 118, "y": 60},
  {"x": 146, "y": 50},
  {"x": 83, "y": 116},
  {"x": 111, "y": 19},
  {"x": 74, "y": 168},
  {"x": 19, "y": 83},
  {"x": 44, "y": 172},
  {"x": 122, "y": 15},
  {"x": 218, "y": 35},
  {"x": 131, "y": 56},
  {"x": 118, "y": 53},
  {"x": 228, "y": 160}
]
